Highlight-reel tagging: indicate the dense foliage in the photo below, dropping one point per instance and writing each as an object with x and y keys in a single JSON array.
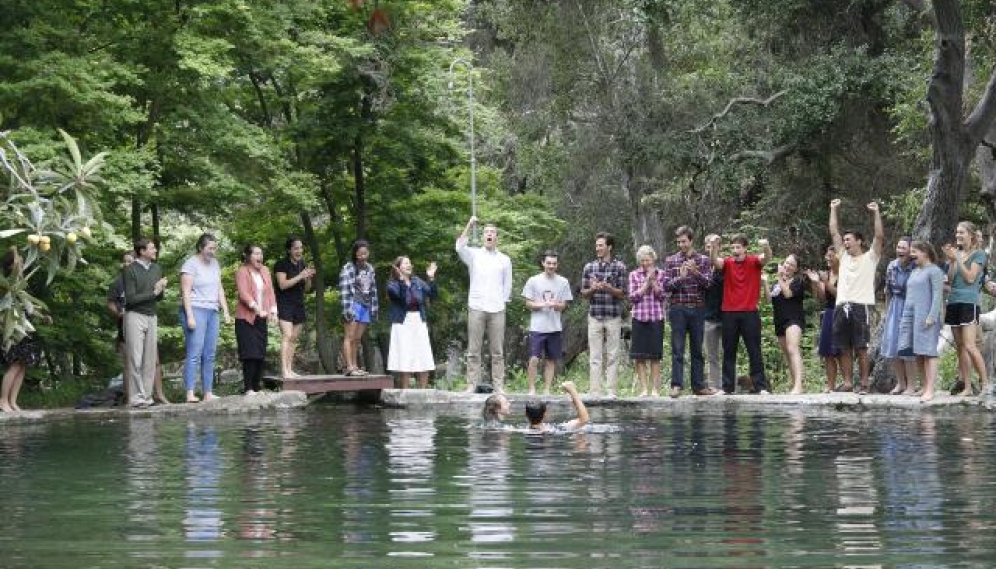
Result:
[{"x": 333, "y": 119}]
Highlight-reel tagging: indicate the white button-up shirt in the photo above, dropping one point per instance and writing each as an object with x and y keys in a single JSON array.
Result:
[{"x": 490, "y": 277}]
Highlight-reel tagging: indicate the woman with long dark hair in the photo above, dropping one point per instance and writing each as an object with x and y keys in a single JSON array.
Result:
[
  {"x": 293, "y": 279},
  {"x": 257, "y": 304},
  {"x": 920, "y": 327},
  {"x": 410, "y": 350}
]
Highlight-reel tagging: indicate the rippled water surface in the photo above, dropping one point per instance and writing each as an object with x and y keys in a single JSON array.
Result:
[{"x": 338, "y": 486}]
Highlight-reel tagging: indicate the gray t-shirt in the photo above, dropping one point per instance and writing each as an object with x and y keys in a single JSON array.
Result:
[
  {"x": 539, "y": 288},
  {"x": 207, "y": 282}
]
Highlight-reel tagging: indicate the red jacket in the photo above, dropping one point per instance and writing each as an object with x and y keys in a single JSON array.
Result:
[{"x": 247, "y": 293}]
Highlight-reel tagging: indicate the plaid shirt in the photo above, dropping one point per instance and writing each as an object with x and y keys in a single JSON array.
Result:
[
  {"x": 358, "y": 286},
  {"x": 602, "y": 304},
  {"x": 648, "y": 306},
  {"x": 691, "y": 288}
]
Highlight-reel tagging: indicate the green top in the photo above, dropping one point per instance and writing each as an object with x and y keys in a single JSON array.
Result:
[
  {"x": 139, "y": 283},
  {"x": 965, "y": 292}
]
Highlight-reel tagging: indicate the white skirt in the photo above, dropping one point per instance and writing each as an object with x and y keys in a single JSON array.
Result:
[{"x": 410, "y": 350}]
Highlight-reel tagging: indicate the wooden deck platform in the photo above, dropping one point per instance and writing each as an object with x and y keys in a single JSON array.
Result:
[{"x": 315, "y": 384}]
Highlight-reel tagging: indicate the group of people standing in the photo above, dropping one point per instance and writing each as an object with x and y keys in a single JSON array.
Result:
[
  {"x": 134, "y": 296},
  {"x": 925, "y": 293},
  {"x": 712, "y": 301}
]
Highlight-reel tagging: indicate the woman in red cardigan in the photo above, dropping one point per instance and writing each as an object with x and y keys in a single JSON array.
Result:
[{"x": 257, "y": 304}]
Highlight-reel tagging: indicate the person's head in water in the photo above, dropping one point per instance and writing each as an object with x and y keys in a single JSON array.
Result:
[
  {"x": 535, "y": 412},
  {"x": 496, "y": 407}
]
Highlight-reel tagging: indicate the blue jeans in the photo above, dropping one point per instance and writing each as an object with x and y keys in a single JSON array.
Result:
[
  {"x": 201, "y": 342},
  {"x": 687, "y": 321}
]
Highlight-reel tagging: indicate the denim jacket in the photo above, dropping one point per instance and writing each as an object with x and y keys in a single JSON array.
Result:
[{"x": 397, "y": 293}]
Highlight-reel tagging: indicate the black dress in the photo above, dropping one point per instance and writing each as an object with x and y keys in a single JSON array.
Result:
[{"x": 27, "y": 351}]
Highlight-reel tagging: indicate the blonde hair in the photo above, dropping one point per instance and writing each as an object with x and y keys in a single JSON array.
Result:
[
  {"x": 645, "y": 251},
  {"x": 974, "y": 232}
]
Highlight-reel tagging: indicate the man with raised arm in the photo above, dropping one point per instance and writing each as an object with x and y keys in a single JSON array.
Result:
[
  {"x": 855, "y": 294},
  {"x": 536, "y": 412},
  {"x": 603, "y": 283},
  {"x": 741, "y": 292},
  {"x": 490, "y": 288}
]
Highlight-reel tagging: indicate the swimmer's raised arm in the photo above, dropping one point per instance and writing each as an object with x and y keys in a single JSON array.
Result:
[{"x": 582, "y": 411}]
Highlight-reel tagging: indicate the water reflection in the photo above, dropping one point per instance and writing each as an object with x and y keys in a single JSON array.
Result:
[
  {"x": 203, "y": 522},
  {"x": 373, "y": 488}
]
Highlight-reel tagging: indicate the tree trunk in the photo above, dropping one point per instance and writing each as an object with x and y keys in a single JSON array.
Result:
[
  {"x": 359, "y": 186},
  {"x": 323, "y": 336},
  {"x": 954, "y": 138},
  {"x": 156, "y": 237},
  {"x": 648, "y": 227},
  {"x": 136, "y": 219}
]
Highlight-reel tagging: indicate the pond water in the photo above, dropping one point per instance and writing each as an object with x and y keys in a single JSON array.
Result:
[{"x": 340, "y": 486}]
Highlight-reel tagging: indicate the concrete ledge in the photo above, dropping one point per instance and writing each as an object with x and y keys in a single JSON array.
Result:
[
  {"x": 230, "y": 405},
  {"x": 418, "y": 398}
]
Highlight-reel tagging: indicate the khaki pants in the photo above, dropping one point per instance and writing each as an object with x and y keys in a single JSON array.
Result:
[
  {"x": 603, "y": 348},
  {"x": 140, "y": 350},
  {"x": 478, "y": 322},
  {"x": 712, "y": 340}
]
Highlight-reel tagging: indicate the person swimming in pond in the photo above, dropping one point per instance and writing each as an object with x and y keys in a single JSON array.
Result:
[
  {"x": 536, "y": 412},
  {"x": 496, "y": 407}
]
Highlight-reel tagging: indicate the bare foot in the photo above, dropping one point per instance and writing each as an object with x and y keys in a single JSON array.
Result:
[
  {"x": 6, "y": 408},
  {"x": 927, "y": 396},
  {"x": 15, "y": 406},
  {"x": 796, "y": 391},
  {"x": 161, "y": 399},
  {"x": 531, "y": 392},
  {"x": 209, "y": 397},
  {"x": 897, "y": 390},
  {"x": 470, "y": 389},
  {"x": 847, "y": 387},
  {"x": 909, "y": 392},
  {"x": 967, "y": 392},
  {"x": 654, "y": 393},
  {"x": 643, "y": 393},
  {"x": 291, "y": 375}
]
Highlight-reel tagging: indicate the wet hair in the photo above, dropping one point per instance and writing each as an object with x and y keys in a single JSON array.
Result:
[
  {"x": 140, "y": 245},
  {"x": 247, "y": 251},
  {"x": 609, "y": 239},
  {"x": 926, "y": 248},
  {"x": 203, "y": 241},
  {"x": 686, "y": 231},
  {"x": 492, "y": 406},
  {"x": 535, "y": 411},
  {"x": 645, "y": 251},
  {"x": 356, "y": 246},
  {"x": 289, "y": 244},
  {"x": 740, "y": 239},
  {"x": 12, "y": 262}
]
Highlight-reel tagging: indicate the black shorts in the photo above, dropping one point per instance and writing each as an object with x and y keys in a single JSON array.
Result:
[
  {"x": 293, "y": 313},
  {"x": 782, "y": 325},
  {"x": 961, "y": 314},
  {"x": 851, "y": 326}
]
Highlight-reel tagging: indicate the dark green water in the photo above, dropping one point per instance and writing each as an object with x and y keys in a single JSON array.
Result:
[{"x": 348, "y": 487}]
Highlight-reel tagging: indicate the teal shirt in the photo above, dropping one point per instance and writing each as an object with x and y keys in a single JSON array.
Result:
[{"x": 964, "y": 292}]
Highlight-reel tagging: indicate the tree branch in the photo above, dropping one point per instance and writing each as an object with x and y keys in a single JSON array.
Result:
[
  {"x": 768, "y": 156},
  {"x": 738, "y": 101},
  {"x": 978, "y": 122}
]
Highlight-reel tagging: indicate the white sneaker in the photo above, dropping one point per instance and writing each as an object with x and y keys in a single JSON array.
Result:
[
  {"x": 250, "y": 392},
  {"x": 764, "y": 392}
]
